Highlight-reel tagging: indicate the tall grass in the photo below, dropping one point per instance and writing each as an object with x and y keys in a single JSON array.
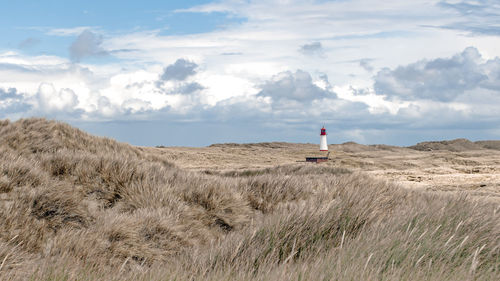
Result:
[{"x": 78, "y": 207}]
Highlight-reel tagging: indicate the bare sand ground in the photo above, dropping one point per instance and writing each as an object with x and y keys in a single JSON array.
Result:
[{"x": 470, "y": 170}]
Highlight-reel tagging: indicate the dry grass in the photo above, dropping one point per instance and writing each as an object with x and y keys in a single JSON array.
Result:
[
  {"x": 78, "y": 207},
  {"x": 448, "y": 167}
]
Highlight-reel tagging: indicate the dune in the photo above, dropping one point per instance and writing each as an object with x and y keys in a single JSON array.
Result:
[
  {"x": 457, "y": 145},
  {"x": 78, "y": 207}
]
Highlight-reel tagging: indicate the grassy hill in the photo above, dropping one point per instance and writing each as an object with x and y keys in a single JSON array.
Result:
[
  {"x": 78, "y": 207},
  {"x": 456, "y": 145}
]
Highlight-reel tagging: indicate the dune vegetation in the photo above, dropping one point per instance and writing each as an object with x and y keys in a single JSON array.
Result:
[{"x": 79, "y": 207}]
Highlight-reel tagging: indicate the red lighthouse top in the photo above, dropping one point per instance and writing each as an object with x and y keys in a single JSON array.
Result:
[{"x": 323, "y": 131}]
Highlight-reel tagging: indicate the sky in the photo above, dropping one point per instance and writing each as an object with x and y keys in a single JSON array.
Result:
[{"x": 193, "y": 73}]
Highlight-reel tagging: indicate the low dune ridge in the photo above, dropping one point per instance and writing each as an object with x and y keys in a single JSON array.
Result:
[
  {"x": 78, "y": 207},
  {"x": 456, "y": 145}
]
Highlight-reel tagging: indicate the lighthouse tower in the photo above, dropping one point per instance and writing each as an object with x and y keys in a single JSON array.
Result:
[{"x": 323, "y": 146}]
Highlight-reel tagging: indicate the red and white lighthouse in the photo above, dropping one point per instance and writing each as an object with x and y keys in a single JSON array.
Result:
[{"x": 323, "y": 146}]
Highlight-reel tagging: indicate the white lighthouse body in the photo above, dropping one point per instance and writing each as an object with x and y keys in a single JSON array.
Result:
[{"x": 323, "y": 146}]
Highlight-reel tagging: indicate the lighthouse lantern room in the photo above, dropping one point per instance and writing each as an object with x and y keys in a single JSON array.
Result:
[{"x": 323, "y": 146}]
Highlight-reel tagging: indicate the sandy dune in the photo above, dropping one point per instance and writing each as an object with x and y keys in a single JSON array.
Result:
[
  {"x": 75, "y": 206},
  {"x": 449, "y": 166}
]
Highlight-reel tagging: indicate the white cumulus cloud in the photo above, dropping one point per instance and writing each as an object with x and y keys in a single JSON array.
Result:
[{"x": 50, "y": 100}]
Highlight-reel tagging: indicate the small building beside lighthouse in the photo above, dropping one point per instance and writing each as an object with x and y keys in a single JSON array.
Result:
[{"x": 323, "y": 145}]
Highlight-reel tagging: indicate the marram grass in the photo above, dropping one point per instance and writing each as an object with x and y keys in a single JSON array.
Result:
[{"x": 78, "y": 207}]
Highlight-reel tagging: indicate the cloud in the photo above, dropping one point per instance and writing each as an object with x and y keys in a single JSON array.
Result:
[
  {"x": 208, "y": 8},
  {"x": 288, "y": 98},
  {"x": 231, "y": 54},
  {"x": 179, "y": 71},
  {"x": 492, "y": 70},
  {"x": 86, "y": 44},
  {"x": 240, "y": 109},
  {"x": 51, "y": 101},
  {"x": 68, "y": 31},
  {"x": 178, "y": 88},
  {"x": 296, "y": 86},
  {"x": 442, "y": 79},
  {"x": 177, "y": 79},
  {"x": 366, "y": 64},
  {"x": 476, "y": 17},
  {"x": 11, "y": 93},
  {"x": 135, "y": 105},
  {"x": 28, "y": 43},
  {"x": 295, "y": 99},
  {"x": 189, "y": 88},
  {"x": 12, "y": 102},
  {"x": 314, "y": 48}
]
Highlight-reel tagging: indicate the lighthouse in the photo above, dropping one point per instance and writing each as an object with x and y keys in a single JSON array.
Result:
[{"x": 323, "y": 146}]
